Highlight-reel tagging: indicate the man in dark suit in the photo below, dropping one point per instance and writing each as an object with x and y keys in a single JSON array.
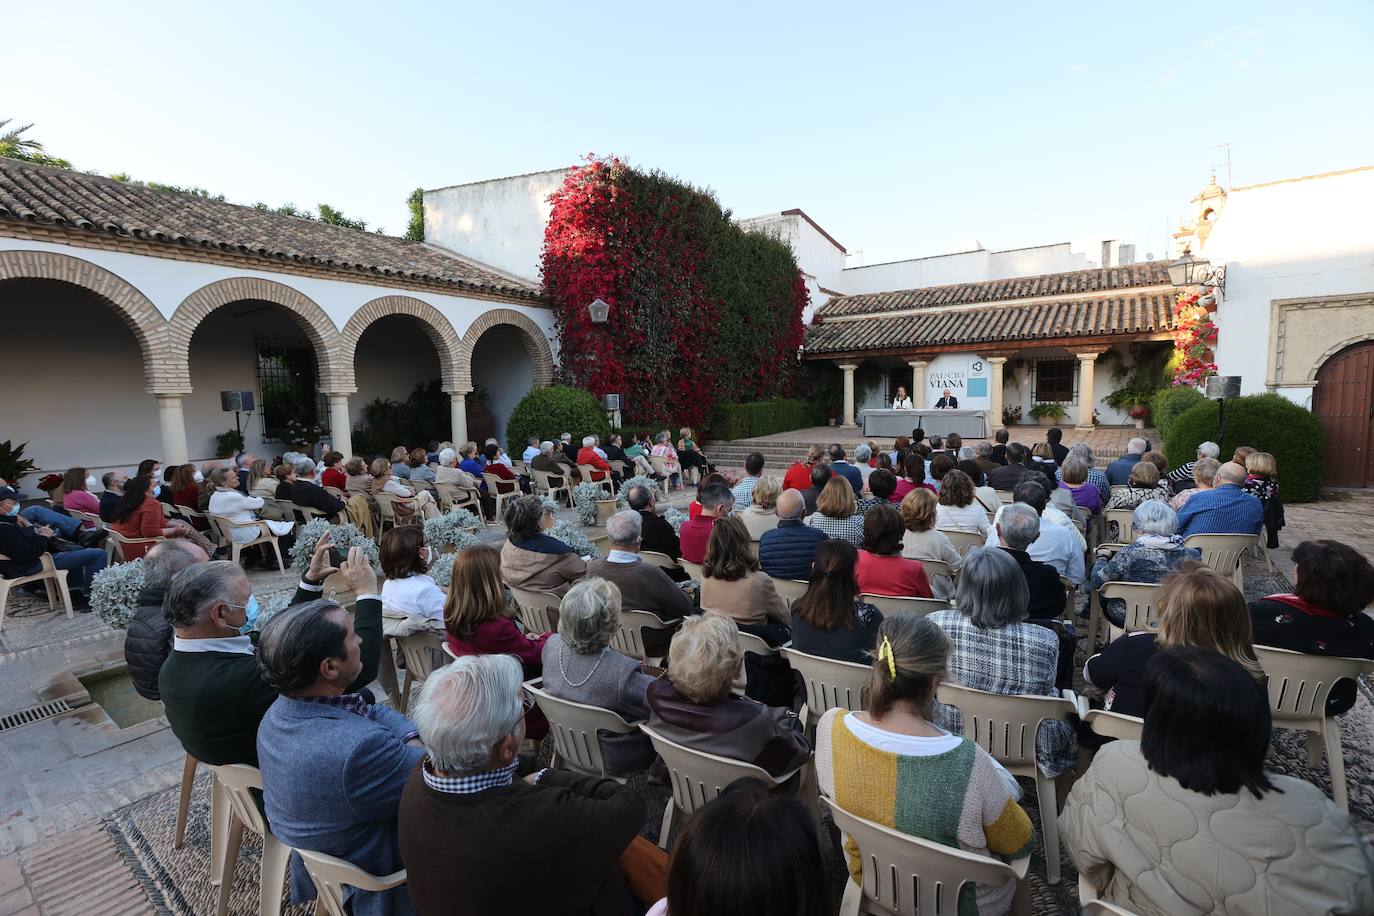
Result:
[
  {"x": 1055, "y": 437},
  {"x": 849, "y": 472},
  {"x": 1010, "y": 474},
  {"x": 656, "y": 533},
  {"x": 947, "y": 402},
  {"x": 307, "y": 492},
  {"x": 568, "y": 449},
  {"x": 999, "y": 451}
]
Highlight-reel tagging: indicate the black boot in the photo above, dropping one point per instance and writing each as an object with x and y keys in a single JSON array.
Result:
[{"x": 91, "y": 537}]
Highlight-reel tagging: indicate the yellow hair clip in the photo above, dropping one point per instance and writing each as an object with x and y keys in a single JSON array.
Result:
[{"x": 885, "y": 653}]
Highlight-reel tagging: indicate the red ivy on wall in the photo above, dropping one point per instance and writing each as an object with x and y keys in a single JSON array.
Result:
[
  {"x": 701, "y": 311},
  {"x": 1195, "y": 339}
]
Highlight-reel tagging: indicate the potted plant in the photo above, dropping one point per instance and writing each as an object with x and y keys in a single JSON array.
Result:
[
  {"x": 1011, "y": 414},
  {"x": 1140, "y": 413},
  {"x": 1049, "y": 413},
  {"x": 1134, "y": 398}
]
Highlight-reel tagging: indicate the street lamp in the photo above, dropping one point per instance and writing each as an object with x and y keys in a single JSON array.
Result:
[
  {"x": 599, "y": 310},
  {"x": 1191, "y": 271}
]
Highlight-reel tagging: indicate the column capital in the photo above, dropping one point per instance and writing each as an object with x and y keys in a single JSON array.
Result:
[
  {"x": 162, "y": 392},
  {"x": 996, "y": 360},
  {"x": 459, "y": 393},
  {"x": 341, "y": 393},
  {"x": 848, "y": 367},
  {"x": 918, "y": 363},
  {"x": 1086, "y": 355}
]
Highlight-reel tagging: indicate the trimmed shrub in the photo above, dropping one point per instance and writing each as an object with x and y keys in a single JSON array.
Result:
[
  {"x": 1168, "y": 403},
  {"x": 1268, "y": 422},
  {"x": 763, "y": 418},
  {"x": 550, "y": 412}
]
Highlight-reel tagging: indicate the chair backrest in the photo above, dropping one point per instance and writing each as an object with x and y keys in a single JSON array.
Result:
[
  {"x": 542, "y": 482},
  {"x": 533, "y": 608},
  {"x": 236, "y": 779},
  {"x": 384, "y": 503},
  {"x": 790, "y": 590},
  {"x": 1070, "y": 598},
  {"x": 629, "y": 636},
  {"x": 575, "y": 726},
  {"x": 748, "y": 642},
  {"x": 493, "y": 483},
  {"x": 418, "y": 484},
  {"x": 587, "y": 472},
  {"x": 1114, "y": 724},
  {"x": 1006, "y": 496},
  {"x": 226, "y": 528},
  {"x": 908, "y": 875},
  {"x": 1142, "y": 598},
  {"x": 335, "y": 491},
  {"x": 1300, "y": 683},
  {"x": 936, "y": 568},
  {"x": 120, "y": 541},
  {"x": 91, "y": 517},
  {"x": 1124, "y": 519},
  {"x": 693, "y": 569},
  {"x": 418, "y": 649},
  {"x": 697, "y": 777},
  {"x": 964, "y": 541},
  {"x": 891, "y": 604},
  {"x": 1004, "y": 725},
  {"x": 1222, "y": 552},
  {"x": 661, "y": 560},
  {"x": 830, "y": 684},
  {"x": 330, "y": 874},
  {"x": 1092, "y": 904}
]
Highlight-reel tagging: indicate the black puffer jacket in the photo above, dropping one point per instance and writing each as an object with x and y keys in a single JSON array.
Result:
[{"x": 147, "y": 642}]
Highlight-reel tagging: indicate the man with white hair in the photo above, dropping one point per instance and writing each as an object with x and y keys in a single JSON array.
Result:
[
  {"x": 1059, "y": 544},
  {"x": 1181, "y": 477},
  {"x": 565, "y": 443},
  {"x": 465, "y": 817},
  {"x": 1224, "y": 509},
  {"x": 1119, "y": 471},
  {"x": 789, "y": 550},
  {"x": 589, "y": 455},
  {"x": 643, "y": 586},
  {"x": 307, "y": 492},
  {"x": 531, "y": 449},
  {"x": 448, "y": 471},
  {"x": 1017, "y": 528},
  {"x": 552, "y": 462}
]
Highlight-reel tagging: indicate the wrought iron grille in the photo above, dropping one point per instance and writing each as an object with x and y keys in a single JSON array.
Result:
[{"x": 287, "y": 386}]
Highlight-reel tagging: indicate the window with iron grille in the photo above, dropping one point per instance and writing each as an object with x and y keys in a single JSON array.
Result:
[
  {"x": 287, "y": 387},
  {"x": 1054, "y": 380}
]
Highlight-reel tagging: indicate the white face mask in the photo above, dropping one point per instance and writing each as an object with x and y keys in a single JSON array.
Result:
[
  {"x": 198, "y": 477},
  {"x": 91, "y": 482}
]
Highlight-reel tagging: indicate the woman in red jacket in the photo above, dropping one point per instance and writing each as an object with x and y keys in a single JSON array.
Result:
[{"x": 477, "y": 617}]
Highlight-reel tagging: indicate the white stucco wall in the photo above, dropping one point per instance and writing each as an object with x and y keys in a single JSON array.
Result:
[
  {"x": 498, "y": 222},
  {"x": 1290, "y": 240},
  {"x": 981, "y": 264}
]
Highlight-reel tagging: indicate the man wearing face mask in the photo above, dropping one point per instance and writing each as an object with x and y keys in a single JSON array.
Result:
[
  {"x": 113, "y": 482},
  {"x": 212, "y": 691},
  {"x": 24, "y": 541}
]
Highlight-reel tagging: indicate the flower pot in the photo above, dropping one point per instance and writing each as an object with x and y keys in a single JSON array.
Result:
[
  {"x": 1049, "y": 421},
  {"x": 834, "y": 421},
  {"x": 605, "y": 508},
  {"x": 1139, "y": 424}
]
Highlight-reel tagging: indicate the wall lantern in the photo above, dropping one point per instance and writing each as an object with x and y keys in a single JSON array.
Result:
[
  {"x": 599, "y": 310},
  {"x": 1191, "y": 271}
]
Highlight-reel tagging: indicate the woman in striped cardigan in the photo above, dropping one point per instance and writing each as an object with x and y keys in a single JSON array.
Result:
[{"x": 892, "y": 765}]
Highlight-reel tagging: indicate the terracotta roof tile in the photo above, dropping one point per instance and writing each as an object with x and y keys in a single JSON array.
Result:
[{"x": 88, "y": 203}]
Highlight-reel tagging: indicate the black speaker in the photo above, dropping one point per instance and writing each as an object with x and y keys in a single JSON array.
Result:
[{"x": 236, "y": 400}]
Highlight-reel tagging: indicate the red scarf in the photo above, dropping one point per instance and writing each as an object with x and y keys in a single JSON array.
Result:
[{"x": 1306, "y": 607}]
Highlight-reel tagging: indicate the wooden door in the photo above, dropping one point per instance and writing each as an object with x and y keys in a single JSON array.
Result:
[{"x": 1344, "y": 401}]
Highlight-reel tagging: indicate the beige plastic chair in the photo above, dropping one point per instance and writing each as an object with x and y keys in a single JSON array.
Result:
[
  {"x": 494, "y": 491},
  {"x": 693, "y": 570},
  {"x": 1114, "y": 724},
  {"x": 661, "y": 560},
  {"x": 544, "y": 486},
  {"x": 661, "y": 469},
  {"x": 120, "y": 542},
  {"x": 1224, "y": 553},
  {"x": 1298, "y": 687},
  {"x": 1141, "y": 599},
  {"x": 790, "y": 590},
  {"x": 830, "y": 684},
  {"x": 1005, "y": 726},
  {"x": 629, "y": 636},
  {"x": 892, "y": 604},
  {"x": 912, "y": 876},
  {"x": 330, "y": 874},
  {"x": 448, "y": 650},
  {"x": 225, "y": 527},
  {"x": 54, "y": 584},
  {"x": 964, "y": 541},
  {"x": 236, "y": 779},
  {"x": 188, "y": 779},
  {"x": 418, "y": 650},
  {"x": 698, "y": 777},
  {"x": 418, "y": 485},
  {"x": 1093, "y": 905},
  {"x": 1006, "y": 496},
  {"x": 935, "y": 568},
  {"x": 451, "y": 496},
  {"x": 98, "y": 524},
  {"x": 1070, "y": 599},
  {"x": 335, "y": 491},
  {"x": 1125, "y": 521},
  {"x": 605, "y": 483},
  {"x": 533, "y": 609},
  {"x": 387, "y": 502},
  {"x": 574, "y": 727},
  {"x": 618, "y": 466}
]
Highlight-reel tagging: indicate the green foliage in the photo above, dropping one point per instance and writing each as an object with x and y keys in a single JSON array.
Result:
[
  {"x": 14, "y": 145},
  {"x": 1049, "y": 409},
  {"x": 550, "y": 412},
  {"x": 1138, "y": 389},
  {"x": 1168, "y": 403},
  {"x": 13, "y": 464},
  {"x": 228, "y": 444},
  {"x": 415, "y": 230},
  {"x": 421, "y": 418},
  {"x": 762, "y": 418},
  {"x": 178, "y": 189},
  {"x": 336, "y": 218},
  {"x": 1268, "y": 422}
]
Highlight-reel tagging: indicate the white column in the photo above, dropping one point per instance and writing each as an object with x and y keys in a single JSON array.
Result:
[
  {"x": 918, "y": 383},
  {"x": 1087, "y": 397},
  {"x": 458, "y": 416},
  {"x": 173, "y": 425},
  {"x": 995, "y": 364},
  {"x": 848, "y": 369},
  {"x": 340, "y": 425}
]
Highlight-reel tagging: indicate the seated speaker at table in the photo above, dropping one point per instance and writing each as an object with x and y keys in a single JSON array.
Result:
[
  {"x": 949, "y": 401},
  {"x": 901, "y": 401}
]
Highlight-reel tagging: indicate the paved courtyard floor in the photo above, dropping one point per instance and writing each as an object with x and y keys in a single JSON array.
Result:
[{"x": 64, "y": 776}]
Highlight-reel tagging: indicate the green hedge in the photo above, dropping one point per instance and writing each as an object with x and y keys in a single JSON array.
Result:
[
  {"x": 1267, "y": 422},
  {"x": 1168, "y": 403},
  {"x": 763, "y": 418},
  {"x": 550, "y": 412}
]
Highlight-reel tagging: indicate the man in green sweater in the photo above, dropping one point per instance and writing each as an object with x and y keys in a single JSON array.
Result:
[{"x": 213, "y": 694}]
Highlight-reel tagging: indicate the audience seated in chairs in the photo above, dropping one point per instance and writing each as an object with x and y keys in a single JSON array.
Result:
[
  {"x": 508, "y": 482},
  {"x": 882, "y": 483},
  {"x": 1095, "y": 477},
  {"x": 76, "y": 497},
  {"x": 589, "y": 455},
  {"x": 732, "y": 583},
  {"x": 1332, "y": 585},
  {"x": 1143, "y": 486},
  {"x": 242, "y": 513},
  {"x": 148, "y": 640},
  {"x": 656, "y": 533},
  {"x": 798, "y": 475},
  {"x": 400, "y": 462},
  {"x": 747, "y": 851},
  {"x": 1017, "y": 528},
  {"x": 689, "y": 455},
  {"x": 213, "y": 693},
  {"x": 1181, "y": 477},
  {"x": 693, "y": 705},
  {"x": 1156, "y": 553},
  {"x": 420, "y": 502},
  {"x": 830, "y": 620},
  {"x": 139, "y": 515},
  {"x": 448, "y": 472},
  {"x": 1009, "y": 474},
  {"x": 333, "y": 474},
  {"x": 1206, "y": 817},
  {"x": 466, "y": 819},
  {"x": 25, "y": 537},
  {"x": 479, "y": 619},
  {"x": 531, "y": 559},
  {"x": 1074, "y": 476},
  {"x": 1261, "y": 482},
  {"x": 760, "y": 515},
  {"x": 419, "y": 466},
  {"x": 882, "y": 569},
  {"x": 837, "y": 512},
  {"x": 672, "y": 465},
  {"x": 113, "y": 482},
  {"x": 923, "y": 541},
  {"x": 957, "y": 509},
  {"x": 743, "y": 492},
  {"x": 580, "y": 665},
  {"x": 408, "y": 589},
  {"x": 306, "y": 492},
  {"x": 1119, "y": 471},
  {"x": 788, "y": 551},
  {"x": 820, "y": 476},
  {"x": 894, "y": 765},
  {"x": 1225, "y": 509},
  {"x": 1196, "y": 607},
  {"x": 333, "y": 764},
  {"x": 548, "y": 462},
  {"x": 996, "y": 650},
  {"x": 285, "y": 475},
  {"x": 1204, "y": 478},
  {"x": 640, "y": 586},
  {"x": 984, "y": 495},
  {"x": 261, "y": 481},
  {"x": 716, "y": 503},
  {"x": 1060, "y": 543}
]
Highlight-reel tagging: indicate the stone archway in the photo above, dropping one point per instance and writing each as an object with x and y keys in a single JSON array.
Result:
[
  {"x": 446, "y": 340},
  {"x": 541, "y": 357},
  {"x": 323, "y": 335},
  {"x": 137, "y": 311}
]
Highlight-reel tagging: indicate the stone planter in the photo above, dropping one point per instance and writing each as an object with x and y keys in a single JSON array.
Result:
[
  {"x": 1139, "y": 424},
  {"x": 605, "y": 508},
  {"x": 1049, "y": 421}
]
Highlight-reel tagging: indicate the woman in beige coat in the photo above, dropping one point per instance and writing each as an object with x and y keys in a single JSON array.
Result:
[{"x": 731, "y": 582}]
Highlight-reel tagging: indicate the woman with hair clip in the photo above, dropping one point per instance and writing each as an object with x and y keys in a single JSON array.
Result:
[
  {"x": 892, "y": 765},
  {"x": 830, "y": 620}
]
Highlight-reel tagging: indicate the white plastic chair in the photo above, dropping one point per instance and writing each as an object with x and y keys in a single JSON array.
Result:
[
  {"x": 330, "y": 874},
  {"x": 575, "y": 728},
  {"x": 589, "y": 476},
  {"x": 54, "y": 584},
  {"x": 629, "y": 636},
  {"x": 236, "y": 779},
  {"x": 1142, "y": 612},
  {"x": 533, "y": 608},
  {"x": 964, "y": 541},
  {"x": 911, "y": 876},
  {"x": 661, "y": 469},
  {"x": 1224, "y": 553},
  {"x": 1095, "y": 906},
  {"x": 418, "y": 651},
  {"x": 830, "y": 684},
  {"x": 226, "y": 529},
  {"x": 544, "y": 486},
  {"x": 98, "y": 524},
  {"x": 120, "y": 542},
  {"x": 1125, "y": 520},
  {"x": 1298, "y": 687},
  {"x": 934, "y": 567},
  {"x": 694, "y": 570},
  {"x": 494, "y": 491},
  {"x": 661, "y": 560},
  {"x": 892, "y": 604},
  {"x": 1005, "y": 726},
  {"x": 790, "y": 590}
]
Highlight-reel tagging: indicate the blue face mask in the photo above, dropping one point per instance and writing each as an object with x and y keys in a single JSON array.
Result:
[
  {"x": 157, "y": 491},
  {"x": 251, "y": 609},
  {"x": 14, "y": 509}
]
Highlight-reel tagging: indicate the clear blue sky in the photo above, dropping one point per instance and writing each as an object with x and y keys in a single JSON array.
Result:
[{"x": 902, "y": 130}]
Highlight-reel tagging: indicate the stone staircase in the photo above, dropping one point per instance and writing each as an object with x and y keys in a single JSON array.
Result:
[{"x": 777, "y": 455}]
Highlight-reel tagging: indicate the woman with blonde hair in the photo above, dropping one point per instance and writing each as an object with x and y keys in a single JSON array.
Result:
[
  {"x": 837, "y": 512},
  {"x": 261, "y": 483},
  {"x": 923, "y": 541},
  {"x": 400, "y": 462},
  {"x": 893, "y": 765},
  {"x": 957, "y": 509},
  {"x": 1261, "y": 482},
  {"x": 761, "y": 515},
  {"x": 421, "y": 502},
  {"x": 798, "y": 476},
  {"x": 731, "y": 581},
  {"x": 1196, "y": 607},
  {"x": 690, "y": 454}
]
